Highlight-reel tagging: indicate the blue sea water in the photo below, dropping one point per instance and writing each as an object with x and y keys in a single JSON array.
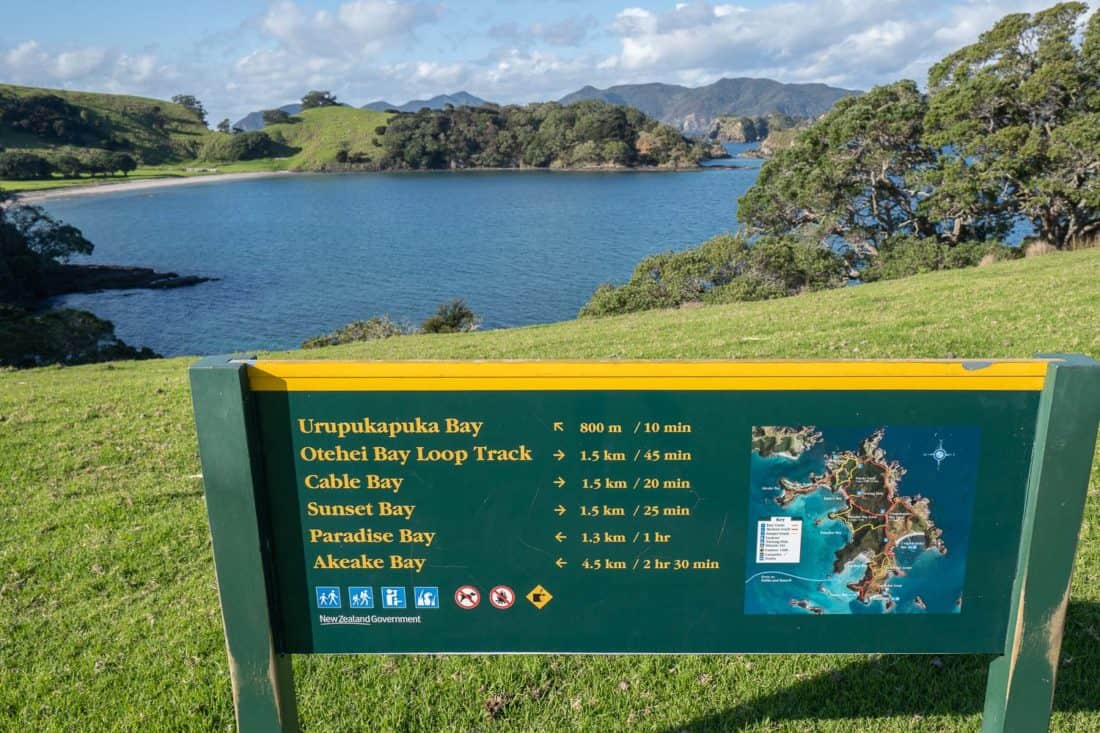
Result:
[
  {"x": 937, "y": 579},
  {"x": 297, "y": 256}
]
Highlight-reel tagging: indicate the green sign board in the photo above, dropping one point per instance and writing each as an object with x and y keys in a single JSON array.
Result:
[{"x": 633, "y": 507}]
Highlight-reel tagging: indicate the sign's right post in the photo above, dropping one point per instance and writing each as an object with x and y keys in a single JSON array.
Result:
[{"x": 1020, "y": 690}]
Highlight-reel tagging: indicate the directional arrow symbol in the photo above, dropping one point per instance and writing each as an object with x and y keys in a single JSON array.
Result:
[
  {"x": 559, "y": 482},
  {"x": 559, "y": 509},
  {"x": 559, "y": 427},
  {"x": 559, "y": 454},
  {"x": 560, "y": 563},
  {"x": 559, "y": 536}
]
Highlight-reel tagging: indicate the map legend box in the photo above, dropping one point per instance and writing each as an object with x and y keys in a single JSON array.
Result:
[{"x": 779, "y": 540}]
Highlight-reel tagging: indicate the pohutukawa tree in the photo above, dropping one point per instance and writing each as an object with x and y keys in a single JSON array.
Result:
[
  {"x": 1008, "y": 131},
  {"x": 852, "y": 175},
  {"x": 1016, "y": 115}
]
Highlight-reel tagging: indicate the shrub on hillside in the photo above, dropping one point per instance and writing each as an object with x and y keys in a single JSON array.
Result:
[
  {"x": 372, "y": 329},
  {"x": 243, "y": 146},
  {"x": 62, "y": 336},
  {"x": 723, "y": 269},
  {"x": 48, "y": 116},
  {"x": 275, "y": 116},
  {"x": 903, "y": 256},
  {"x": 452, "y": 317}
]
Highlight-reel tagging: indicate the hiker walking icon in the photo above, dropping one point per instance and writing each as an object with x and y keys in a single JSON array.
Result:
[{"x": 328, "y": 596}]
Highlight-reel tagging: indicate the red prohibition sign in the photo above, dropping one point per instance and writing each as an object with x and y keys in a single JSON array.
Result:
[
  {"x": 502, "y": 597},
  {"x": 467, "y": 597}
]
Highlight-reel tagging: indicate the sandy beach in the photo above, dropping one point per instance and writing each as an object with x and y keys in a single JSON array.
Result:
[{"x": 32, "y": 197}]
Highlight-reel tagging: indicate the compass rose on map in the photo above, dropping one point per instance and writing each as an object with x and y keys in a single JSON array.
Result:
[{"x": 939, "y": 455}]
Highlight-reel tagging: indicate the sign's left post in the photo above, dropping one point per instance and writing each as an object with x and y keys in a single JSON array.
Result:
[{"x": 232, "y": 469}]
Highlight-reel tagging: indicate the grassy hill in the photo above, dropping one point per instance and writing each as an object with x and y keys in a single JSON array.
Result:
[
  {"x": 168, "y": 139},
  {"x": 312, "y": 139},
  {"x": 152, "y": 129},
  {"x": 109, "y": 615},
  {"x": 320, "y": 134}
]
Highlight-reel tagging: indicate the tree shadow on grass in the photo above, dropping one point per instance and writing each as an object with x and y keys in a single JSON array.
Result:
[{"x": 917, "y": 685}]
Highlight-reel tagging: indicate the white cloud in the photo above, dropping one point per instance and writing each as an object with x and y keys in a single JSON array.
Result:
[
  {"x": 85, "y": 67},
  {"x": 854, "y": 42},
  {"x": 27, "y": 56},
  {"x": 354, "y": 29},
  {"x": 79, "y": 63}
]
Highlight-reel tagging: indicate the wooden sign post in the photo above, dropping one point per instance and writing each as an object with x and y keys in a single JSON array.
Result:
[{"x": 576, "y": 507}]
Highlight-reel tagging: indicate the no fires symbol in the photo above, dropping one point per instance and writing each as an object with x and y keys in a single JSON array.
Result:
[{"x": 502, "y": 597}]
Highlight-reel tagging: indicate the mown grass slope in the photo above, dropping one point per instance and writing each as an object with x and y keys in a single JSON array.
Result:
[{"x": 108, "y": 607}]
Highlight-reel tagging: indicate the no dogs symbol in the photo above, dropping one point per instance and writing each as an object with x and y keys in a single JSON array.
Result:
[{"x": 467, "y": 597}]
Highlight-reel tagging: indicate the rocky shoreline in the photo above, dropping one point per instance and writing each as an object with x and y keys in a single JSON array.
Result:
[{"x": 66, "y": 279}]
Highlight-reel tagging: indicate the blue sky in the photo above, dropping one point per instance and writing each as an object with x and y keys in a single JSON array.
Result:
[{"x": 252, "y": 54}]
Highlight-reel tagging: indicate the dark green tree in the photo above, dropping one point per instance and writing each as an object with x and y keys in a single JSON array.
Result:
[
  {"x": 852, "y": 176},
  {"x": 223, "y": 126},
  {"x": 275, "y": 116},
  {"x": 1016, "y": 116},
  {"x": 317, "y": 98},
  {"x": 31, "y": 242},
  {"x": 19, "y": 166},
  {"x": 68, "y": 165},
  {"x": 191, "y": 104},
  {"x": 122, "y": 163},
  {"x": 99, "y": 162}
]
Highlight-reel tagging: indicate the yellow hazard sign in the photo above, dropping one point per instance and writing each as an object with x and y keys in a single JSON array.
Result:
[{"x": 539, "y": 596}]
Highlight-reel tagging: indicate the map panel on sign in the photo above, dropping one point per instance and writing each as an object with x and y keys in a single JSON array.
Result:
[{"x": 860, "y": 520}]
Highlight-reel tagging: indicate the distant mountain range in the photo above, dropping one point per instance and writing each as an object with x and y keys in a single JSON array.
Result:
[
  {"x": 255, "y": 120},
  {"x": 692, "y": 110},
  {"x": 458, "y": 99}
]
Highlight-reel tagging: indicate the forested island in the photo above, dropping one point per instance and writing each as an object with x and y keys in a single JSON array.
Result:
[{"x": 592, "y": 134}]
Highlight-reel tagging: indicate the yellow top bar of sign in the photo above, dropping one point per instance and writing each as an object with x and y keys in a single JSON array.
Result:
[{"x": 459, "y": 376}]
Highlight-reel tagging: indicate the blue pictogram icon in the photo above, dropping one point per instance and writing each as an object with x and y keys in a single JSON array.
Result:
[
  {"x": 360, "y": 596},
  {"x": 327, "y": 596},
  {"x": 393, "y": 596},
  {"x": 426, "y": 596}
]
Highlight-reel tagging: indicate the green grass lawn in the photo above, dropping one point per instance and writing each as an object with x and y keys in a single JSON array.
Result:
[{"x": 109, "y": 615}]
